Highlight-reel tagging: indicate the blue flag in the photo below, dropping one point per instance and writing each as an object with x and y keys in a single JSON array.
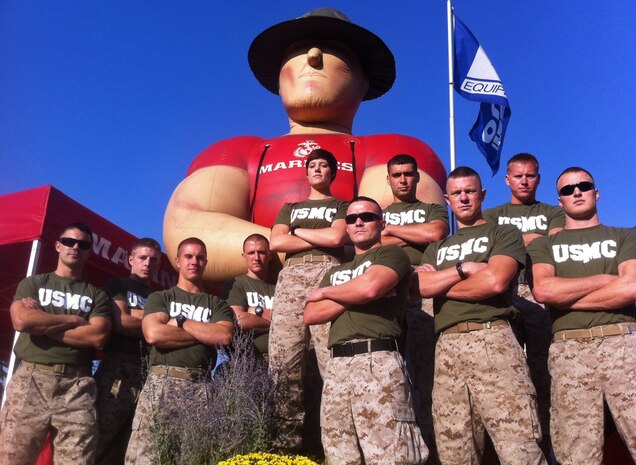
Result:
[{"x": 476, "y": 79}]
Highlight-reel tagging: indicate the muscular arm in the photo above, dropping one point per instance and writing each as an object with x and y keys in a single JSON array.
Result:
[
  {"x": 565, "y": 293},
  {"x": 125, "y": 320},
  {"x": 488, "y": 282},
  {"x": 433, "y": 283},
  {"x": 158, "y": 331},
  {"x": 92, "y": 335},
  {"x": 618, "y": 293},
  {"x": 420, "y": 234},
  {"x": 28, "y": 317},
  {"x": 213, "y": 205},
  {"x": 249, "y": 321},
  {"x": 210, "y": 334},
  {"x": 325, "y": 303}
]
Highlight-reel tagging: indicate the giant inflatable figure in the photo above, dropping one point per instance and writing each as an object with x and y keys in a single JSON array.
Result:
[{"x": 322, "y": 66}]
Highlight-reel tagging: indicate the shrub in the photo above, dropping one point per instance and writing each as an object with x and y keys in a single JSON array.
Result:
[{"x": 238, "y": 418}]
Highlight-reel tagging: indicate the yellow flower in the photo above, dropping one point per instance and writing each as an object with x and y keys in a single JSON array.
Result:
[{"x": 264, "y": 458}]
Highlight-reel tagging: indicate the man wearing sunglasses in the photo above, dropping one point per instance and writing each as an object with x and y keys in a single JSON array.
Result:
[
  {"x": 586, "y": 274},
  {"x": 534, "y": 219},
  {"x": 366, "y": 414},
  {"x": 413, "y": 225},
  {"x": 61, "y": 319},
  {"x": 481, "y": 376}
]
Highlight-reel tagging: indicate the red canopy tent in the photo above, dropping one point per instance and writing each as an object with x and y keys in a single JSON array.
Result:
[{"x": 30, "y": 223}]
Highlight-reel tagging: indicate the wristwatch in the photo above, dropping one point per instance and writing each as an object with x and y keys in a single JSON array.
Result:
[
  {"x": 258, "y": 311},
  {"x": 180, "y": 320},
  {"x": 460, "y": 271}
]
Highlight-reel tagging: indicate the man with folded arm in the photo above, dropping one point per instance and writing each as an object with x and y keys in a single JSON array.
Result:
[
  {"x": 366, "y": 414},
  {"x": 62, "y": 319},
  {"x": 586, "y": 274},
  {"x": 481, "y": 376},
  {"x": 183, "y": 325}
]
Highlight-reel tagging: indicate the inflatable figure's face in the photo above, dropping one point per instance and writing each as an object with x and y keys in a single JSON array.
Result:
[{"x": 321, "y": 75}]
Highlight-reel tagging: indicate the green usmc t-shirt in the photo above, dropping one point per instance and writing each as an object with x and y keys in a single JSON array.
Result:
[
  {"x": 59, "y": 296},
  {"x": 414, "y": 213},
  {"x": 202, "y": 307},
  {"x": 578, "y": 253},
  {"x": 533, "y": 218},
  {"x": 313, "y": 214},
  {"x": 377, "y": 319},
  {"x": 245, "y": 291},
  {"x": 474, "y": 244},
  {"x": 134, "y": 295}
]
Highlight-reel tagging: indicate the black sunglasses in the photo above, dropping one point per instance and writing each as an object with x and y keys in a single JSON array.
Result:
[
  {"x": 366, "y": 217},
  {"x": 70, "y": 242},
  {"x": 583, "y": 186}
]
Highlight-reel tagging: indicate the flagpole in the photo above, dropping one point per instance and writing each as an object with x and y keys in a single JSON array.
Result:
[{"x": 451, "y": 95}]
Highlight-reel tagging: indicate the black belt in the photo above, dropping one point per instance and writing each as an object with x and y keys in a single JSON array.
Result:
[{"x": 349, "y": 349}]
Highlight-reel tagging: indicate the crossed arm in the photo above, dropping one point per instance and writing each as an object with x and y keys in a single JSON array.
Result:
[
  {"x": 162, "y": 331},
  {"x": 126, "y": 321},
  {"x": 248, "y": 320},
  {"x": 28, "y": 317},
  {"x": 417, "y": 234},
  {"x": 484, "y": 280},
  {"x": 324, "y": 304},
  {"x": 597, "y": 292},
  {"x": 306, "y": 239}
]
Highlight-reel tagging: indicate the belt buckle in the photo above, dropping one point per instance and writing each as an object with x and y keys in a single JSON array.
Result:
[
  {"x": 629, "y": 329},
  {"x": 488, "y": 324},
  {"x": 59, "y": 369}
]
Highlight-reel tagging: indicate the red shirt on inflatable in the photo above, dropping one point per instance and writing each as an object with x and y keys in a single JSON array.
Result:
[{"x": 276, "y": 167}]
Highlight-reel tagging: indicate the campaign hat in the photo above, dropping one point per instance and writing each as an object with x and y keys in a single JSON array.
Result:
[{"x": 267, "y": 51}]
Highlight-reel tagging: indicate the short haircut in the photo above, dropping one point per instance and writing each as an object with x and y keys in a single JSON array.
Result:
[
  {"x": 524, "y": 157},
  {"x": 255, "y": 238},
  {"x": 79, "y": 226},
  {"x": 326, "y": 155},
  {"x": 402, "y": 159},
  {"x": 574, "y": 169},
  {"x": 464, "y": 172},
  {"x": 191, "y": 240},
  {"x": 362, "y": 198},
  {"x": 145, "y": 242}
]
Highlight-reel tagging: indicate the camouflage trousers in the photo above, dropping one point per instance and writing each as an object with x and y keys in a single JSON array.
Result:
[
  {"x": 534, "y": 332},
  {"x": 162, "y": 401},
  {"x": 584, "y": 374},
  {"x": 40, "y": 401},
  {"x": 482, "y": 382},
  {"x": 289, "y": 340},
  {"x": 366, "y": 413},
  {"x": 419, "y": 354},
  {"x": 119, "y": 382}
]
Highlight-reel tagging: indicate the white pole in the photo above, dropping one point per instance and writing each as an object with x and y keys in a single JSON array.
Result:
[
  {"x": 33, "y": 264},
  {"x": 451, "y": 95}
]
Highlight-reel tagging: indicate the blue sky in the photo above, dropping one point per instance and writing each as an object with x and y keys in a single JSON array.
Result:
[{"x": 110, "y": 101}]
